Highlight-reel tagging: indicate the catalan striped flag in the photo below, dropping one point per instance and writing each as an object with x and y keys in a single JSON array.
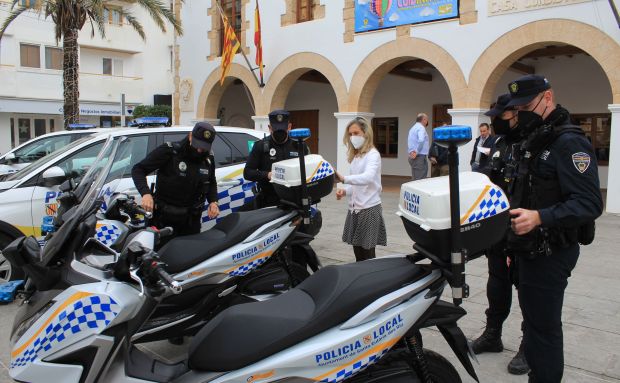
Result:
[
  {"x": 231, "y": 46},
  {"x": 258, "y": 43}
]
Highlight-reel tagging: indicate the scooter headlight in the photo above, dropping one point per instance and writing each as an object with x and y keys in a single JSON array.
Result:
[{"x": 25, "y": 325}]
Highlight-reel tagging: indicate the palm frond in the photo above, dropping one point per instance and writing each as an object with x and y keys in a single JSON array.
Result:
[
  {"x": 135, "y": 24},
  {"x": 95, "y": 11},
  {"x": 12, "y": 16},
  {"x": 157, "y": 9}
]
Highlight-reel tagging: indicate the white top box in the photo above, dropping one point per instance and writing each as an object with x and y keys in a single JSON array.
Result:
[
  {"x": 288, "y": 172},
  {"x": 427, "y": 202}
]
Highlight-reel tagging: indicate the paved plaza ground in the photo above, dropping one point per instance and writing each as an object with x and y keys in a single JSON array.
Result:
[{"x": 591, "y": 308}]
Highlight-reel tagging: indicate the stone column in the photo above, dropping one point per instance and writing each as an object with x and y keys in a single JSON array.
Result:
[
  {"x": 261, "y": 123},
  {"x": 473, "y": 118},
  {"x": 342, "y": 165},
  {"x": 613, "y": 173}
]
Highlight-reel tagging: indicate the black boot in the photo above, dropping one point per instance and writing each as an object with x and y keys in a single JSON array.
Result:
[
  {"x": 518, "y": 365},
  {"x": 489, "y": 341}
]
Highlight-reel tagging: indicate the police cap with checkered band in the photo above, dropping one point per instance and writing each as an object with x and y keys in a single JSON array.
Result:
[{"x": 203, "y": 135}]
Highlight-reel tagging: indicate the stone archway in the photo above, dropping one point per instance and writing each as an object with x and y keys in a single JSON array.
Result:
[
  {"x": 212, "y": 92},
  {"x": 383, "y": 59},
  {"x": 289, "y": 71},
  {"x": 496, "y": 59}
]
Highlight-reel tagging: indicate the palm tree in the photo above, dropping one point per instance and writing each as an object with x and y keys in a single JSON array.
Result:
[{"x": 69, "y": 17}]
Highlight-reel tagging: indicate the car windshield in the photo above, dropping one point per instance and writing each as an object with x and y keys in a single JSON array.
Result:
[
  {"x": 41, "y": 147},
  {"x": 28, "y": 170}
]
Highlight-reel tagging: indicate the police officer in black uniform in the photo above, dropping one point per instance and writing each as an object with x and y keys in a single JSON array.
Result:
[
  {"x": 273, "y": 148},
  {"x": 499, "y": 282},
  {"x": 555, "y": 197},
  {"x": 185, "y": 177}
]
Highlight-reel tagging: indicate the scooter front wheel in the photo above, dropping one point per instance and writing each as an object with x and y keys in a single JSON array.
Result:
[{"x": 396, "y": 367}]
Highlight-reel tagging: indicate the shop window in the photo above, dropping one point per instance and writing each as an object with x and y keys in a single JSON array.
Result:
[
  {"x": 386, "y": 135},
  {"x": 53, "y": 58},
  {"x": 13, "y": 142},
  {"x": 52, "y": 129},
  {"x": 30, "y": 55},
  {"x": 107, "y": 66},
  {"x": 23, "y": 128},
  {"x": 304, "y": 10},
  {"x": 232, "y": 10},
  {"x": 39, "y": 127},
  {"x": 597, "y": 127}
]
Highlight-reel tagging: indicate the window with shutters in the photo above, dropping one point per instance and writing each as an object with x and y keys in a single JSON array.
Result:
[{"x": 30, "y": 55}]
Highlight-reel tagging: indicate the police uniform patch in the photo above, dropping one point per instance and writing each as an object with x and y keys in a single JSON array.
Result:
[
  {"x": 581, "y": 161},
  {"x": 182, "y": 166},
  {"x": 204, "y": 172},
  {"x": 272, "y": 152},
  {"x": 514, "y": 87}
]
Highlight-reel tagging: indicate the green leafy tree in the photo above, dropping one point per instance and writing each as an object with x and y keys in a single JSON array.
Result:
[
  {"x": 152, "y": 111},
  {"x": 69, "y": 16}
]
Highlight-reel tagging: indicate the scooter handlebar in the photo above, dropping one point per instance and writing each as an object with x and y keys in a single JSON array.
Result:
[{"x": 166, "y": 278}]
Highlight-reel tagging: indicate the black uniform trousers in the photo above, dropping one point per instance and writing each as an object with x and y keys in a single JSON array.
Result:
[
  {"x": 499, "y": 287},
  {"x": 191, "y": 224},
  {"x": 542, "y": 282}
]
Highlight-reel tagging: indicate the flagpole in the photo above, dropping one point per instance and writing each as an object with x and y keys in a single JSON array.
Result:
[{"x": 219, "y": 7}]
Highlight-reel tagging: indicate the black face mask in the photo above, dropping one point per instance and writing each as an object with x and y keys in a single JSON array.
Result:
[
  {"x": 280, "y": 136},
  {"x": 197, "y": 156},
  {"x": 501, "y": 127},
  {"x": 529, "y": 121}
]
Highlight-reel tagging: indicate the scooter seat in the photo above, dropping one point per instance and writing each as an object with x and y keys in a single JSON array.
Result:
[
  {"x": 181, "y": 253},
  {"x": 247, "y": 333}
]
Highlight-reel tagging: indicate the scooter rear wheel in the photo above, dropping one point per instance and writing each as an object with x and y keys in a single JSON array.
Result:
[{"x": 395, "y": 367}]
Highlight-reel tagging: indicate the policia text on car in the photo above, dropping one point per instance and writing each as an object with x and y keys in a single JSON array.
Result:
[
  {"x": 185, "y": 178},
  {"x": 551, "y": 177}
]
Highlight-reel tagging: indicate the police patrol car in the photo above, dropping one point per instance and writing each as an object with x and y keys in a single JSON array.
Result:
[
  {"x": 30, "y": 195},
  {"x": 39, "y": 147}
]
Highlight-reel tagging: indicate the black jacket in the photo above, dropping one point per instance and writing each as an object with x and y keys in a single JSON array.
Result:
[
  {"x": 566, "y": 172},
  {"x": 483, "y": 157},
  {"x": 264, "y": 153},
  {"x": 183, "y": 179}
]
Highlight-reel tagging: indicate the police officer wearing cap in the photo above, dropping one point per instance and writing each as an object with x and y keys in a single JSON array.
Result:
[
  {"x": 185, "y": 177},
  {"x": 555, "y": 197},
  {"x": 499, "y": 282},
  {"x": 273, "y": 148}
]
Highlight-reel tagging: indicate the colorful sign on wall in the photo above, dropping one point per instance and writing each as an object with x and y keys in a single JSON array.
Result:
[{"x": 378, "y": 14}]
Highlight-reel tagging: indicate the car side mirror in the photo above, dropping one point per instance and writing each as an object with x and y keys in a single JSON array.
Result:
[
  {"x": 54, "y": 176},
  {"x": 10, "y": 158}
]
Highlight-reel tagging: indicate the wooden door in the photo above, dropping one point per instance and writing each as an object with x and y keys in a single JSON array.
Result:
[
  {"x": 441, "y": 115},
  {"x": 307, "y": 119}
]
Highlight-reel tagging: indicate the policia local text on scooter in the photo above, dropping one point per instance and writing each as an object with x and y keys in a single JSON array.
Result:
[{"x": 356, "y": 323}]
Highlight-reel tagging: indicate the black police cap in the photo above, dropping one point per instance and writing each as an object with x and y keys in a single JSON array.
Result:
[
  {"x": 501, "y": 105},
  {"x": 278, "y": 119},
  {"x": 524, "y": 89},
  {"x": 203, "y": 135}
]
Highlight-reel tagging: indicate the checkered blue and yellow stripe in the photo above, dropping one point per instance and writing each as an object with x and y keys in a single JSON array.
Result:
[
  {"x": 107, "y": 233},
  {"x": 324, "y": 169},
  {"x": 369, "y": 357},
  {"x": 82, "y": 312},
  {"x": 490, "y": 202},
  {"x": 229, "y": 200},
  {"x": 250, "y": 265}
]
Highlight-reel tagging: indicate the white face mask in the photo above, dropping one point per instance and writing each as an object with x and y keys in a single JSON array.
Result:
[{"x": 357, "y": 141}]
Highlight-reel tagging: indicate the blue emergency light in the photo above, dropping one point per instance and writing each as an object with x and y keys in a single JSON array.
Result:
[
  {"x": 141, "y": 121},
  {"x": 80, "y": 126},
  {"x": 458, "y": 134},
  {"x": 302, "y": 133}
]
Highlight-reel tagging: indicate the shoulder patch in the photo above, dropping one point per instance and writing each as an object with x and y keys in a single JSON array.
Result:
[{"x": 581, "y": 161}]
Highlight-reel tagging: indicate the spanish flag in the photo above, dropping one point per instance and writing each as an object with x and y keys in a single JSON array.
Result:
[
  {"x": 258, "y": 42},
  {"x": 231, "y": 46}
]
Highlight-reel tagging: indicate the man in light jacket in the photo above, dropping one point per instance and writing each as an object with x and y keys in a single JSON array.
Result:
[{"x": 418, "y": 145}]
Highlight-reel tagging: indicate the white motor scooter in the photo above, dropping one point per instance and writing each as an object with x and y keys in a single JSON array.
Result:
[{"x": 357, "y": 323}]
